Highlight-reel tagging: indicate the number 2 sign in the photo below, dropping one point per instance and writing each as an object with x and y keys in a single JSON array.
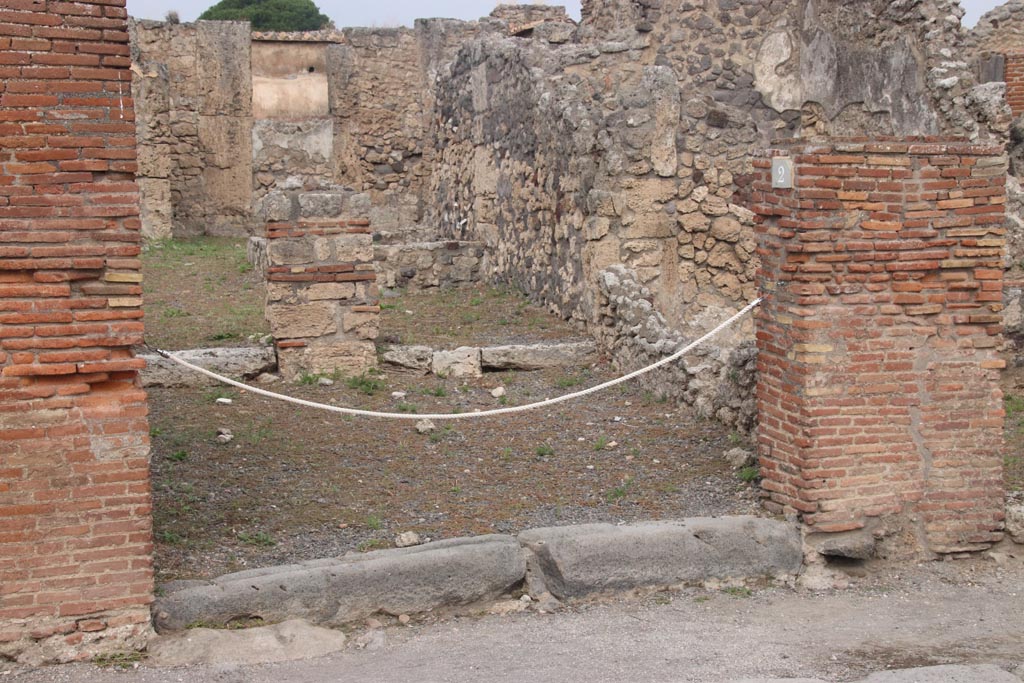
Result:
[{"x": 782, "y": 172}]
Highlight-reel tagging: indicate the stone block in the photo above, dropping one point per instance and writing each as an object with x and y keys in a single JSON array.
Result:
[
  {"x": 598, "y": 558},
  {"x": 290, "y": 252},
  {"x": 346, "y": 357},
  {"x": 329, "y": 291},
  {"x": 411, "y": 357},
  {"x": 280, "y": 206},
  {"x": 342, "y": 590},
  {"x": 157, "y": 213},
  {"x": 461, "y": 362},
  {"x": 313, "y": 319},
  {"x": 362, "y": 325},
  {"x": 1015, "y": 521},
  {"x": 536, "y": 356},
  {"x": 236, "y": 363},
  {"x": 321, "y": 204},
  {"x": 289, "y": 640}
]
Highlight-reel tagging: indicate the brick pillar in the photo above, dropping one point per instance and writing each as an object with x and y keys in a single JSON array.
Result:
[
  {"x": 321, "y": 283},
  {"x": 75, "y": 539},
  {"x": 878, "y": 396},
  {"x": 1013, "y": 74}
]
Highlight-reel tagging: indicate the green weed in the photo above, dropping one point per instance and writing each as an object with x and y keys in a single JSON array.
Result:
[
  {"x": 619, "y": 492},
  {"x": 169, "y": 537},
  {"x": 118, "y": 660},
  {"x": 1014, "y": 405},
  {"x": 749, "y": 474},
  {"x": 259, "y": 538},
  {"x": 568, "y": 381},
  {"x": 367, "y": 383}
]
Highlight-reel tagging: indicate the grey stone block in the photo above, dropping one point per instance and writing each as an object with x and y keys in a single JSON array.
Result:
[
  {"x": 1015, "y": 521},
  {"x": 595, "y": 558},
  {"x": 236, "y": 363},
  {"x": 341, "y": 590},
  {"x": 294, "y": 639},
  {"x": 416, "y": 358},
  {"x": 280, "y": 206},
  {"x": 537, "y": 356},
  {"x": 461, "y": 362},
  {"x": 321, "y": 204},
  {"x": 855, "y": 545}
]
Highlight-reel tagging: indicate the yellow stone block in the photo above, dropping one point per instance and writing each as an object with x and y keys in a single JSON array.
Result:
[
  {"x": 122, "y": 277},
  {"x": 125, "y": 302}
]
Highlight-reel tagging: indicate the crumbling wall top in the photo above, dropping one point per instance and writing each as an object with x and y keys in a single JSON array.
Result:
[{"x": 1001, "y": 29}]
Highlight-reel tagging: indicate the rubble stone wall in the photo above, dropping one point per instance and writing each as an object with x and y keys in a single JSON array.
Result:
[
  {"x": 878, "y": 389},
  {"x": 1000, "y": 30},
  {"x": 625, "y": 146},
  {"x": 193, "y": 94},
  {"x": 75, "y": 531},
  {"x": 321, "y": 284}
]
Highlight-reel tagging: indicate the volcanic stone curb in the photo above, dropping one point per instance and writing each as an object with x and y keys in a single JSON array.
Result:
[
  {"x": 572, "y": 561},
  {"x": 598, "y": 558}
]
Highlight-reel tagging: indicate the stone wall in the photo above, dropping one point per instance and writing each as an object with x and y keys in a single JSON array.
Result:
[
  {"x": 1000, "y": 30},
  {"x": 625, "y": 146},
  {"x": 193, "y": 94},
  {"x": 878, "y": 388},
  {"x": 226, "y": 116},
  {"x": 75, "y": 532},
  {"x": 321, "y": 284}
]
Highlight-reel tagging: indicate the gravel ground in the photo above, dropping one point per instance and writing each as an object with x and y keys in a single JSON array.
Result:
[
  {"x": 295, "y": 483},
  {"x": 895, "y": 616}
]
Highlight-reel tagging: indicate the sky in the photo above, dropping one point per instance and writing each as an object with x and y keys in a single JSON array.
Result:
[
  {"x": 350, "y": 13},
  {"x": 403, "y": 12}
]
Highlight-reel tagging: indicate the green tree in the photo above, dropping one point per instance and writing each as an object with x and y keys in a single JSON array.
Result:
[{"x": 270, "y": 15}]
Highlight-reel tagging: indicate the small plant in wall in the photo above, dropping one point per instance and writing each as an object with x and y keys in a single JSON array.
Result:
[{"x": 748, "y": 474}]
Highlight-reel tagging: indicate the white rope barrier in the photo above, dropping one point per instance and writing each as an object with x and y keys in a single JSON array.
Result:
[{"x": 463, "y": 416}]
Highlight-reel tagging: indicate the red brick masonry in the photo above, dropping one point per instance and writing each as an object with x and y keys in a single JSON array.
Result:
[
  {"x": 1014, "y": 76},
  {"x": 75, "y": 535},
  {"x": 878, "y": 392}
]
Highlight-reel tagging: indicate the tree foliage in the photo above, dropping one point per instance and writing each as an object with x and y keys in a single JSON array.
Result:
[{"x": 270, "y": 15}]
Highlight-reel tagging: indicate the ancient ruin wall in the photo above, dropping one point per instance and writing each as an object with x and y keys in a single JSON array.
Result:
[
  {"x": 193, "y": 92},
  {"x": 1000, "y": 30},
  {"x": 75, "y": 530},
  {"x": 878, "y": 389},
  {"x": 322, "y": 299},
  {"x": 227, "y": 117},
  {"x": 625, "y": 147}
]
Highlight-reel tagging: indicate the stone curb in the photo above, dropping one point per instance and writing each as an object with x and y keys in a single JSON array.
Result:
[
  {"x": 563, "y": 561},
  {"x": 472, "y": 361},
  {"x": 599, "y": 558},
  {"x": 242, "y": 362}
]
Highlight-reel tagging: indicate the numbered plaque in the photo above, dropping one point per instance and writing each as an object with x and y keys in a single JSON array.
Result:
[{"x": 782, "y": 172}]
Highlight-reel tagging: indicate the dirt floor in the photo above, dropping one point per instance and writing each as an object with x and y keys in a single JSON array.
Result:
[{"x": 295, "y": 483}]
